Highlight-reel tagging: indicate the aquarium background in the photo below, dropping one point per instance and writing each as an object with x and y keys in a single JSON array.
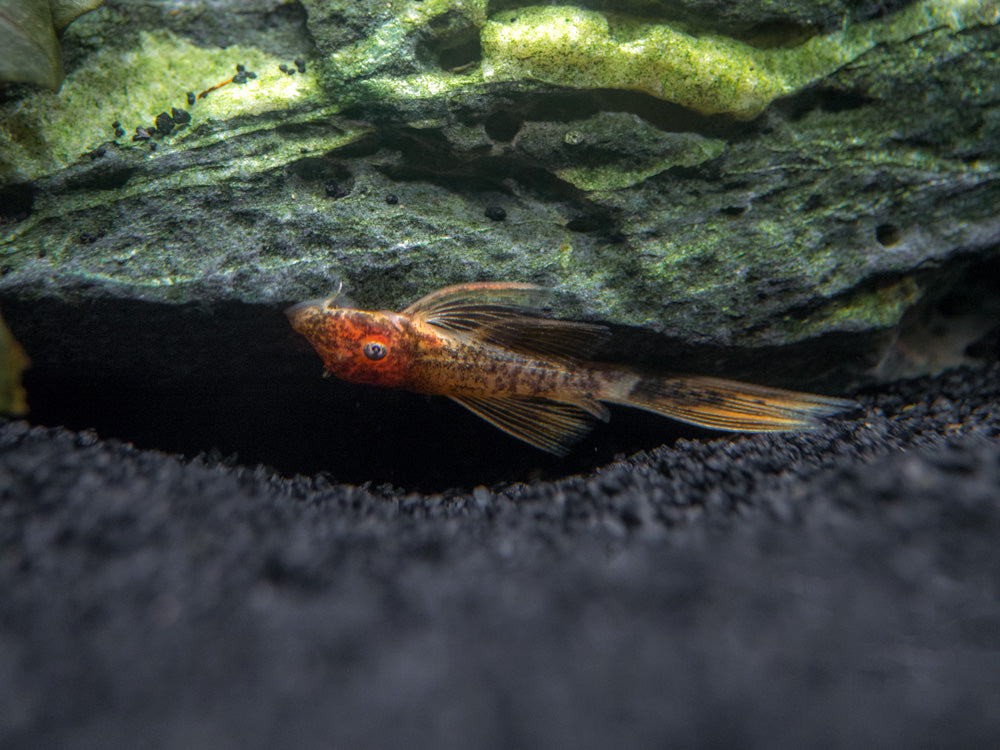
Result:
[{"x": 204, "y": 542}]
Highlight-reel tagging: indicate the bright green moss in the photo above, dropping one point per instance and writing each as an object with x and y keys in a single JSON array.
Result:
[{"x": 578, "y": 48}]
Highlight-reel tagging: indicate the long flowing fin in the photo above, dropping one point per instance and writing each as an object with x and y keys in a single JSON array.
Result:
[
  {"x": 727, "y": 405},
  {"x": 550, "y": 425},
  {"x": 507, "y": 315},
  {"x": 507, "y": 294}
]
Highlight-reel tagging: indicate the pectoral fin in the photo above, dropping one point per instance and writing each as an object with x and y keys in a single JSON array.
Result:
[{"x": 549, "y": 425}]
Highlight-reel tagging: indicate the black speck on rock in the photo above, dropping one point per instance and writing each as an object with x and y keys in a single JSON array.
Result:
[
  {"x": 833, "y": 588},
  {"x": 495, "y": 212},
  {"x": 164, "y": 123},
  {"x": 336, "y": 190},
  {"x": 89, "y": 238}
]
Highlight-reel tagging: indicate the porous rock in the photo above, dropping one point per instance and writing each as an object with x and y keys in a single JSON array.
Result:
[{"x": 853, "y": 217}]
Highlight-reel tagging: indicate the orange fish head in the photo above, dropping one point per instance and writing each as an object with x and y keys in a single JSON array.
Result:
[{"x": 355, "y": 345}]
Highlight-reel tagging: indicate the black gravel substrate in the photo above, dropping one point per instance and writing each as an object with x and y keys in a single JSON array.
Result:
[{"x": 839, "y": 588}]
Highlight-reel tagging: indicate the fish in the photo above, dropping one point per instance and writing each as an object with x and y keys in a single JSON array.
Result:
[{"x": 489, "y": 347}]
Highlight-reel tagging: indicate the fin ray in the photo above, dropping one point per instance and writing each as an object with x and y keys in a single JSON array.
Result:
[
  {"x": 727, "y": 405},
  {"x": 552, "y": 426},
  {"x": 507, "y": 315}
]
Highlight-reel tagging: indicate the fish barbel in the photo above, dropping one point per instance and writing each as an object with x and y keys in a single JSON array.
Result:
[{"x": 486, "y": 346}]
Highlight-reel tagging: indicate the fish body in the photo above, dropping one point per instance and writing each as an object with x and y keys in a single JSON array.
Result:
[{"x": 486, "y": 346}]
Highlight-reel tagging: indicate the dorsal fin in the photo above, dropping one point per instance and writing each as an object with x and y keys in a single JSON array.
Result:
[
  {"x": 506, "y": 315},
  {"x": 508, "y": 295}
]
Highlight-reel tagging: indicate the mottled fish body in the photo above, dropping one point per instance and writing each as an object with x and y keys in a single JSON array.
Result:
[{"x": 486, "y": 346}]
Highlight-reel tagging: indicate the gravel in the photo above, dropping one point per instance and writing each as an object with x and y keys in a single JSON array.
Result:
[{"x": 833, "y": 588}]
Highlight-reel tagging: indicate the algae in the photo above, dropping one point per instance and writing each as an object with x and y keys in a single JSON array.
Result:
[
  {"x": 569, "y": 46},
  {"x": 586, "y": 49},
  {"x": 695, "y": 150},
  {"x": 881, "y": 307},
  {"x": 43, "y": 132},
  {"x": 706, "y": 229},
  {"x": 566, "y": 46},
  {"x": 13, "y": 361}
]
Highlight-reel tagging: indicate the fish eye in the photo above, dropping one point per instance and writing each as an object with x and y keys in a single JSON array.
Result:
[{"x": 375, "y": 349}]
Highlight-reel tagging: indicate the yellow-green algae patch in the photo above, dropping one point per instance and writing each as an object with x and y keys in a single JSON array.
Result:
[
  {"x": 569, "y": 46},
  {"x": 883, "y": 307},
  {"x": 12, "y": 361},
  {"x": 614, "y": 176},
  {"x": 45, "y": 131},
  {"x": 380, "y": 48}
]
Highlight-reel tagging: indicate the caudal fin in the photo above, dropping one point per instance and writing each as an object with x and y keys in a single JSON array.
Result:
[{"x": 728, "y": 405}]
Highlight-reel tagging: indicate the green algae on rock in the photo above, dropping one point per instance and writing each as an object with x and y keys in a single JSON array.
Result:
[
  {"x": 586, "y": 49},
  {"x": 44, "y": 132},
  {"x": 882, "y": 307},
  {"x": 572, "y": 47},
  {"x": 703, "y": 229},
  {"x": 612, "y": 150}
]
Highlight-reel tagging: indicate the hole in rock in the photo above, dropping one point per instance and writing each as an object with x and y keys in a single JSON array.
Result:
[
  {"x": 888, "y": 234},
  {"x": 235, "y": 379},
  {"x": 451, "y": 42},
  {"x": 16, "y": 203},
  {"x": 350, "y": 433},
  {"x": 503, "y": 125}
]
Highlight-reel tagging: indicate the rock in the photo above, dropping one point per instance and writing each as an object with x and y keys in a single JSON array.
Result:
[
  {"x": 845, "y": 233},
  {"x": 29, "y": 31}
]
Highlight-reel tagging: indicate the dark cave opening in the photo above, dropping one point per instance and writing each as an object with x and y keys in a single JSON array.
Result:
[
  {"x": 233, "y": 381},
  {"x": 311, "y": 425}
]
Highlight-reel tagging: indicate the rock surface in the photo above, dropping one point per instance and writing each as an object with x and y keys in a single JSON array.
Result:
[
  {"x": 29, "y": 37},
  {"x": 835, "y": 588},
  {"x": 861, "y": 204}
]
